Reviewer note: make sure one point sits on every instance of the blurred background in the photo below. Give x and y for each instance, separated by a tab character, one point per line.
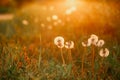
30	18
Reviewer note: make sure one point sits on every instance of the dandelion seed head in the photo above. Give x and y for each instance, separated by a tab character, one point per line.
100	43
59	41
93	39
104	52
69	45
86	44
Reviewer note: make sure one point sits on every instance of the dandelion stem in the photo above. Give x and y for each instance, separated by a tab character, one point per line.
70	55
40	53
62	57
83	61
103	64
93	60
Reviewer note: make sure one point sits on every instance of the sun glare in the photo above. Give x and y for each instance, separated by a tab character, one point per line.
72	2
73	11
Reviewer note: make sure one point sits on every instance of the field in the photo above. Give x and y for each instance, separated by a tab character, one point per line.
27	42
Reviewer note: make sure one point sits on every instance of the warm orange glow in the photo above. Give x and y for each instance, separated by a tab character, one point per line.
54	17
73	11
60	40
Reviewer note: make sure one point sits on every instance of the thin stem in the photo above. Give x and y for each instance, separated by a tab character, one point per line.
101	70
70	55
40	53
62	57
83	61
93	60
103	64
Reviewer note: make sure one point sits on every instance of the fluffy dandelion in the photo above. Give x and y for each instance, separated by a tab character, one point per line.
69	45
93	39
86	44
104	52
100	43
59	41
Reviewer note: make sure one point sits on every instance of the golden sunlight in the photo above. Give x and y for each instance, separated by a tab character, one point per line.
59	40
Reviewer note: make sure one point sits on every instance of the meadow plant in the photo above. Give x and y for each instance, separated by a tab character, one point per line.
59	41
69	45
94	42
40	54
84	44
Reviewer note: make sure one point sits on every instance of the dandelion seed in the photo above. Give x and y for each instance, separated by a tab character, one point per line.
100	43
69	45
93	39
104	52
59	41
